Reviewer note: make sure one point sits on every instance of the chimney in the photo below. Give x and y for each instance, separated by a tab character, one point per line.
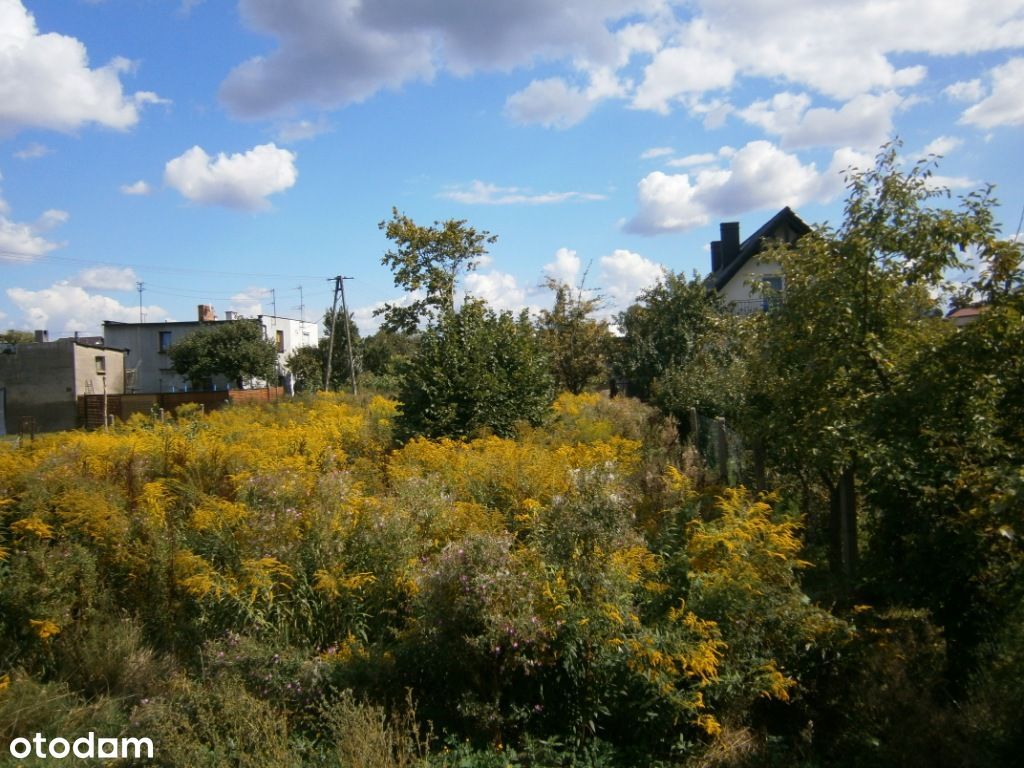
42	336
206	313
230	315
716	255
730	241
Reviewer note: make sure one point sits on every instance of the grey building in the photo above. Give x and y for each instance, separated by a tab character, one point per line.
40	381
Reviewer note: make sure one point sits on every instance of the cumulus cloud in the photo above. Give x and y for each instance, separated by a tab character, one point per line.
501	290
965	90
552	103
760	175
565	268
138	188
66	307
46	80
864	121
941	146
250	301
106	278
624	274
1003	105
482	193
333	54
24	242
242	180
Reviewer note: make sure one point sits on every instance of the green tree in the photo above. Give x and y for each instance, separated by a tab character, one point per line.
307	366
428	261
236	350
475	370
341	369
576	343
14	336
859	306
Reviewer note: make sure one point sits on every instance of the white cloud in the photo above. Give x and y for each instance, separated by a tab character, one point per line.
33	151
565	268
250	301
760	175
482	193
65	308
624	274
242	180
655	152
46	81
499	289
702	158
552	103
106	278
137	188
1004	104
941	146
864	121
23	242
675	72
965	90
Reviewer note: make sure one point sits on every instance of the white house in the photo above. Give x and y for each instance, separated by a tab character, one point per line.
735	266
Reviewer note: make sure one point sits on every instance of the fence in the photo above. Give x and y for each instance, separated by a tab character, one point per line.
91	408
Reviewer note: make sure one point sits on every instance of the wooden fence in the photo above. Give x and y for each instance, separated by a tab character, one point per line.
91	407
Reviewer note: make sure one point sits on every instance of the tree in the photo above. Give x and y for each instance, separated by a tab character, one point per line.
859	306
475	370
307	366
341	369
236	350
662	329
428	260
14	336
576	343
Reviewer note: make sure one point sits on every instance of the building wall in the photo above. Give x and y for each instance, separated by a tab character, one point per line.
42	381
147	345
739	289
293	335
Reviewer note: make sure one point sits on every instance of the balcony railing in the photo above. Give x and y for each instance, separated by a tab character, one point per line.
753	306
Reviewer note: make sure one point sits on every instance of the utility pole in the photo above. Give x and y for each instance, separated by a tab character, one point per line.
140	285
339	288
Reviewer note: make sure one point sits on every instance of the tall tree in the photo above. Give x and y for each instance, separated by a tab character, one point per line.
859	304
475	370
576	343
236	350
427	261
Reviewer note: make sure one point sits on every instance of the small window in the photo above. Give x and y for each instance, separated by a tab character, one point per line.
101	365
280	341
165	341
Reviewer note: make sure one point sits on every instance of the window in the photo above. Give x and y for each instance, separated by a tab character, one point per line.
773	291
280	341
101	365
165	341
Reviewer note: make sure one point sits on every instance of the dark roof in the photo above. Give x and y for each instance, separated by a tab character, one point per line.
753	244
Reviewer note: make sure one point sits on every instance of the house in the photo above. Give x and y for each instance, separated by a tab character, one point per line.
735	266
40	381
148	344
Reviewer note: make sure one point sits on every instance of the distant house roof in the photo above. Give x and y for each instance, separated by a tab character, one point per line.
728	255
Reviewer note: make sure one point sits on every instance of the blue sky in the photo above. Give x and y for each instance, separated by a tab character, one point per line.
227	152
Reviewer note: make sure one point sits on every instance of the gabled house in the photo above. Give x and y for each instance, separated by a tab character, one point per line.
735	266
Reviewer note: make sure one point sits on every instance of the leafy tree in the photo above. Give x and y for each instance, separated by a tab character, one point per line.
14	336
576	343
307	366
428	260
858	308
474	370
662	329
236	350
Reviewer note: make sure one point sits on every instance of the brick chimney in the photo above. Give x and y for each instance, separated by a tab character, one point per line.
42	336
716	255
206	313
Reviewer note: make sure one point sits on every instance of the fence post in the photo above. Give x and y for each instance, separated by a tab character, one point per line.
694	426
723	450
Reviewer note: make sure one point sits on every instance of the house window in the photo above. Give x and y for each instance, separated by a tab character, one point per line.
101	365
165	341
773	291
280	341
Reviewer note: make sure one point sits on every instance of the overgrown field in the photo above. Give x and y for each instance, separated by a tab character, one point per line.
283	586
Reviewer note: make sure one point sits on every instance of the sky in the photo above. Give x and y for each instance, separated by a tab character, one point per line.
240	153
